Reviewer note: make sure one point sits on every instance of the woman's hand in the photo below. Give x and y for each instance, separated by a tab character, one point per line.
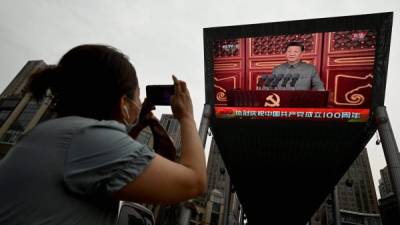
163	144
164	180
181	103
146	118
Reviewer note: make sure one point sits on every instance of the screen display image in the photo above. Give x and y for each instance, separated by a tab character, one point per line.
329	69
314	76
294	102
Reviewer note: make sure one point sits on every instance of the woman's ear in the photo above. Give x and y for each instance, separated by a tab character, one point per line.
123	109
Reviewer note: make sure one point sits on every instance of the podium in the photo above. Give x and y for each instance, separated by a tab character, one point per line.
278	98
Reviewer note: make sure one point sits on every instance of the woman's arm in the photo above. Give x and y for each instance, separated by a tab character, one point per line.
163	144
164	180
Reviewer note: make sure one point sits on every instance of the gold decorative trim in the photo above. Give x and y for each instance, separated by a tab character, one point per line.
221	95
225	66
365	59
272	64
327	78
352	98
266	64
226	78
351	61
251	80
257	77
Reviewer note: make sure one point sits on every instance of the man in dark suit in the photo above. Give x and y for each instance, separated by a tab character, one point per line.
295	74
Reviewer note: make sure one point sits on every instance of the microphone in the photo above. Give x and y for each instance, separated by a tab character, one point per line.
268	81
286	79
295	77
278	78
261	82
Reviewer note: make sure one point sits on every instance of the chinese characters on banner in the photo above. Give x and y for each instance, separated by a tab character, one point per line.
317	114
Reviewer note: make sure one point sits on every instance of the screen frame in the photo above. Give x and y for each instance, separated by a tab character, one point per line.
381	23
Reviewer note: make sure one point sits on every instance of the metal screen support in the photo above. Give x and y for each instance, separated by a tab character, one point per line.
389	149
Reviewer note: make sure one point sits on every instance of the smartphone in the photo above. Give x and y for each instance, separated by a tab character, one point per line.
159	94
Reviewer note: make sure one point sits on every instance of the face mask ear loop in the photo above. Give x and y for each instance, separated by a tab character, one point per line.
128	125
126	111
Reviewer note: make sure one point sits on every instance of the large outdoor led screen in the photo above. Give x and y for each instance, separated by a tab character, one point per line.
320	69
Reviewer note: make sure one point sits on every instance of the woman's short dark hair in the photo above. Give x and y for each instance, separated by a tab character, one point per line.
88	81
295	43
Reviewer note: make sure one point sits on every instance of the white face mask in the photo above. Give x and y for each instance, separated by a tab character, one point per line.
130	126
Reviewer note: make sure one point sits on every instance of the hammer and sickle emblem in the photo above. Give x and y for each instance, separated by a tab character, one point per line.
272	100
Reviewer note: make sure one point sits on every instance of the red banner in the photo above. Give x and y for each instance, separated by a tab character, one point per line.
315	114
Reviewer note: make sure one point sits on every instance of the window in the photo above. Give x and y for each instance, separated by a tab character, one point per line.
216	207
6	107
4	115
26	115
18	127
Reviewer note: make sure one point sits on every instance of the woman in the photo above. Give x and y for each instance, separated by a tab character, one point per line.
74	169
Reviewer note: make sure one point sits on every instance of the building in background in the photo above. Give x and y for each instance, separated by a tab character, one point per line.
167	213
356	188
19	112
190	212
385	185
387	203
209	208
222	203
357	201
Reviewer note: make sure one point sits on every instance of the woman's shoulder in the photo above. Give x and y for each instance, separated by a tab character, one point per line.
74	124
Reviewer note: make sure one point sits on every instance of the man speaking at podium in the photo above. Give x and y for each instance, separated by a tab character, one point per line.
304	75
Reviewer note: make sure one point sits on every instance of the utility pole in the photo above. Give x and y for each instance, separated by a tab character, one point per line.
390	149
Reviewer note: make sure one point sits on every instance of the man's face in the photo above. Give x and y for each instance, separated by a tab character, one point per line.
293	54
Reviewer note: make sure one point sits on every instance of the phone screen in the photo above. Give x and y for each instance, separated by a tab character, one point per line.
159	94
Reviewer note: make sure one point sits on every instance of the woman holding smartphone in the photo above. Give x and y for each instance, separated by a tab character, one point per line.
74	169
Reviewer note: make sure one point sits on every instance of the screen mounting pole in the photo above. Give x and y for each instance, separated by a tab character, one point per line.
205	123
185	213
390	149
